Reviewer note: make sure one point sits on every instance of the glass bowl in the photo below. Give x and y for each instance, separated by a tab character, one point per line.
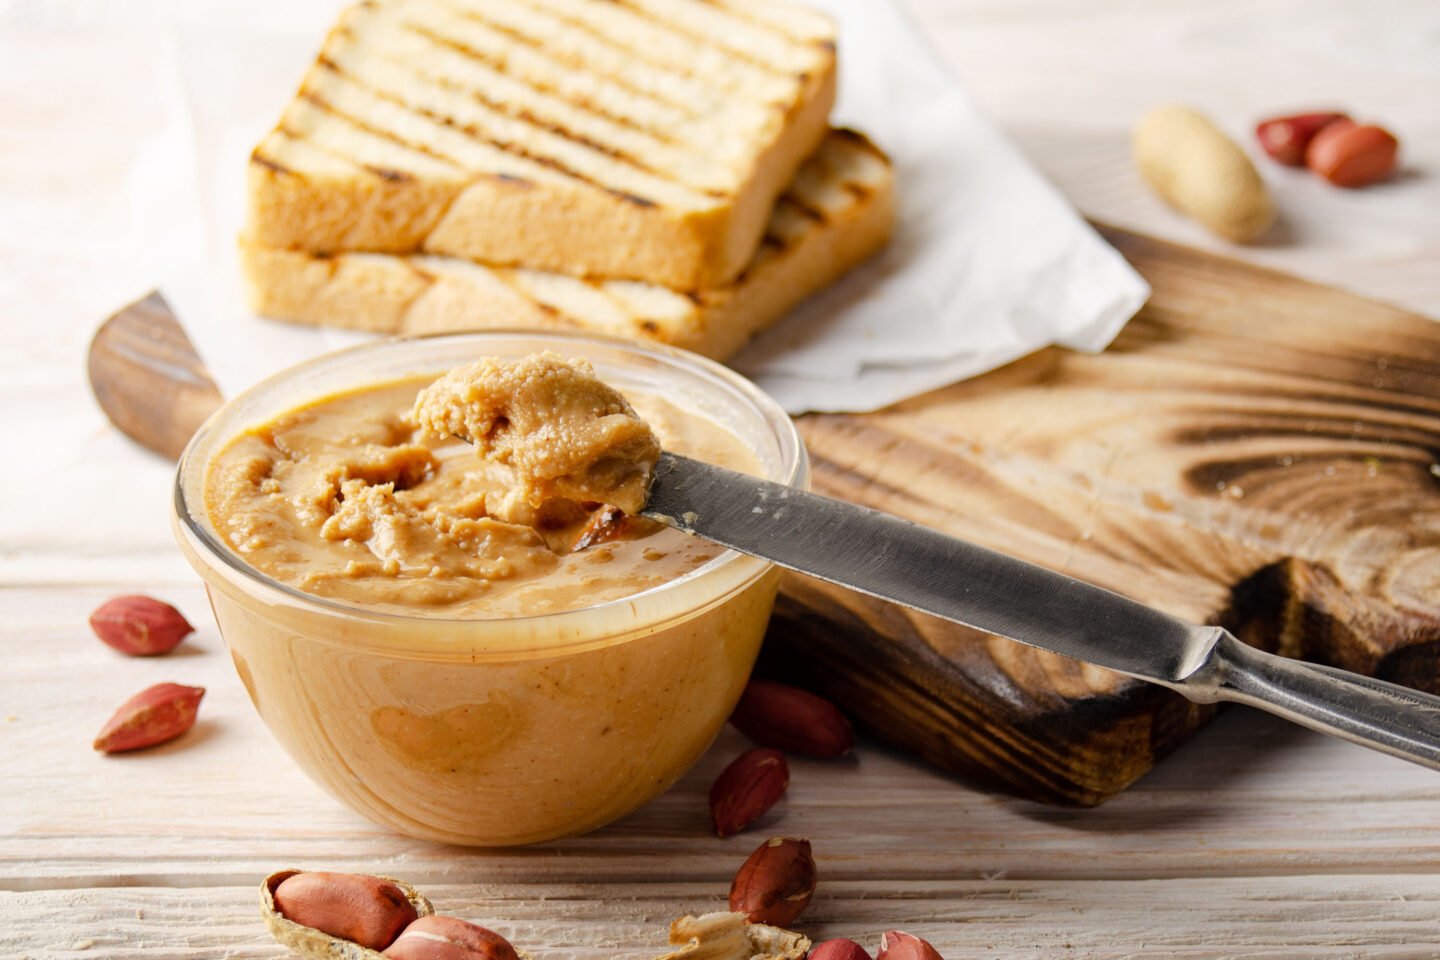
506	730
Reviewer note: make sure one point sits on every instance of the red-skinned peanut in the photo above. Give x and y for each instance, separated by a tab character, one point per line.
1285	138
153	716
748	787
838	949
1351	155
787	718
899	945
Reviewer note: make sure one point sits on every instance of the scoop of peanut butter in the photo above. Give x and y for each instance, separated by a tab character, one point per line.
563	432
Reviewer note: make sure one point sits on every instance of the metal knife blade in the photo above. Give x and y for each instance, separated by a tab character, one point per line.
894	559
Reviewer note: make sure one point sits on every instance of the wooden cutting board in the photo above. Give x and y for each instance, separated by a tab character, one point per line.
1254	450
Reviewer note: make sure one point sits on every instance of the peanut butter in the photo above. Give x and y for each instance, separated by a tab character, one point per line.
563	433
377	496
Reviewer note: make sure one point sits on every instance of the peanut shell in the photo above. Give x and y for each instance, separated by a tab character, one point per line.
1202	173
727	936
308	942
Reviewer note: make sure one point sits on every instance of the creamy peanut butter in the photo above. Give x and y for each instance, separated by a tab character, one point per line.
354	498
563	432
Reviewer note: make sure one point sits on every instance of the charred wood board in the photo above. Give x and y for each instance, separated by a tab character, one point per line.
1254	450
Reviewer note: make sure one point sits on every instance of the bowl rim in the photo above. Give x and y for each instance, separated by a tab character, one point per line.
793	456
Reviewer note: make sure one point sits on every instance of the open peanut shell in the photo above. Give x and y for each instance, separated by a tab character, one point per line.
309	942
728	936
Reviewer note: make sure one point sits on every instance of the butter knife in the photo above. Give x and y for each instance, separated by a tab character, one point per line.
894	559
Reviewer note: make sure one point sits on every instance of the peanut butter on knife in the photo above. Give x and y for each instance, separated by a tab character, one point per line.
562	432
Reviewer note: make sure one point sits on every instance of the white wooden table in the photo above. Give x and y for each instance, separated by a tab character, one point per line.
1255	840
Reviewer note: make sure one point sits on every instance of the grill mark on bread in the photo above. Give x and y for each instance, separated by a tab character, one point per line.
623	308
385	173
318	103
578	63
525	115
329	151
509	147
793	199
699	36
684	69
515	117
855	137
835	178
752	21
430	277
499	106
582	103
858	142
746	13
562	63
259	158
507	277
572	14
426	277
639	54
636	199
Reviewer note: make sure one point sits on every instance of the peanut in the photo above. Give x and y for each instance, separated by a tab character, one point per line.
153	716
140	626
448	938
1285	138
775	884
364	910
838	949
1202	173
748	787
794	720
1351	155
899	945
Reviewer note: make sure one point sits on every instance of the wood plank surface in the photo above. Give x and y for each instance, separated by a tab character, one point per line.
1376	917
1263	840
1254	450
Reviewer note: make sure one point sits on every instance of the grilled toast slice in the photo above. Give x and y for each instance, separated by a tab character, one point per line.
836	213
641	139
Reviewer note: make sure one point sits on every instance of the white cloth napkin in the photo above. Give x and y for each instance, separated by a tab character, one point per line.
988	262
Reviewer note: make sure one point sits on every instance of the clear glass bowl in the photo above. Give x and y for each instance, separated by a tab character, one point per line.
507	730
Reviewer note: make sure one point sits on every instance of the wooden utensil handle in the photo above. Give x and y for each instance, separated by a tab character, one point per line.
1383	716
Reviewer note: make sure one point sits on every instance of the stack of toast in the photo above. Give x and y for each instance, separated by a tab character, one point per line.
654	169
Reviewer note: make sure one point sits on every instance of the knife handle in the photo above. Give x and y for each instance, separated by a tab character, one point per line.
1383	716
